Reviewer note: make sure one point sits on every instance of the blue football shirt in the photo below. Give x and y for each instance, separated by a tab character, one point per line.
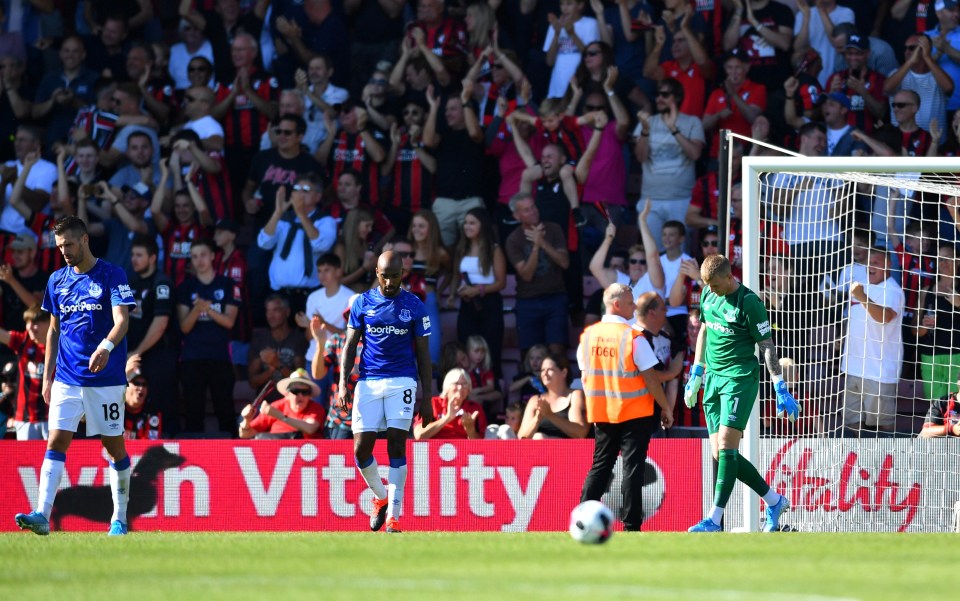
389	326
83	303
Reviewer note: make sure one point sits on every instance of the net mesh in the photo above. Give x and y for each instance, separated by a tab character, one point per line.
858	272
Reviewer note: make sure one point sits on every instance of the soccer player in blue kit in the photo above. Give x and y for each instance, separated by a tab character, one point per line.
83	375
393	323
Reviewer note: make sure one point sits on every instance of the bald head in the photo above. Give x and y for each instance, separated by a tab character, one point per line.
389	273
389	261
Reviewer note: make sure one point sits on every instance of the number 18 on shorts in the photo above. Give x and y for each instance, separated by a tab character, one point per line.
384	403
103	407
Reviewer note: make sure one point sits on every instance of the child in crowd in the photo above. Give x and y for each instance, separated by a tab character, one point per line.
528	382
507	430
484	383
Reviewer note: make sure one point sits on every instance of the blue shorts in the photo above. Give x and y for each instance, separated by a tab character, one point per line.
543	320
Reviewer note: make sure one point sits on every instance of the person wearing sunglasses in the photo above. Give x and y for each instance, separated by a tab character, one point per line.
298	232
642	275
923	75
914	140
296	415
668	145
861	84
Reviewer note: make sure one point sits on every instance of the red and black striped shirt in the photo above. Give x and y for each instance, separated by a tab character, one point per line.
49	257
235	268
412	182
916	143
30	355
215	188
568	136
349	151
919	273
859	115
177	240
449	38
244	123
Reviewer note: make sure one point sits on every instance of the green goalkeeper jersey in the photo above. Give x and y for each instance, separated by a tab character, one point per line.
735	324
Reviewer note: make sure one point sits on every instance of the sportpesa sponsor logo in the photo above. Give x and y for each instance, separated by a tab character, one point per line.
719	327
387	330
84	306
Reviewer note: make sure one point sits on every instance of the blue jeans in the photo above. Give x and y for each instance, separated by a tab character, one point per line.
543	320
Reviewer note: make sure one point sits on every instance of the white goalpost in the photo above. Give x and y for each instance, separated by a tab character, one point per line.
811	229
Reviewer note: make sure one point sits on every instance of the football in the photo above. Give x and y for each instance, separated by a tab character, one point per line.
591	523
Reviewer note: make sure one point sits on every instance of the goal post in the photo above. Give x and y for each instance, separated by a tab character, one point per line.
854	461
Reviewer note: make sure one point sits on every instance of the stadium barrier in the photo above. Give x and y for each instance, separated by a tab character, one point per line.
314	485
859	485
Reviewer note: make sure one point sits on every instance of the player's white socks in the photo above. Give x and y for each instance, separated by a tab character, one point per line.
51	470
372	478
396	479
772	497
120	488
716	515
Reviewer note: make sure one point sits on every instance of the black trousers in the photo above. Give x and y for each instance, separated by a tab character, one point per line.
199	377
631	439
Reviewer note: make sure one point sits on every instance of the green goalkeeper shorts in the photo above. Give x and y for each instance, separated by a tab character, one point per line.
728	402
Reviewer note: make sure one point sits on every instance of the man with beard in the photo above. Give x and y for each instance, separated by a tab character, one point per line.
151	340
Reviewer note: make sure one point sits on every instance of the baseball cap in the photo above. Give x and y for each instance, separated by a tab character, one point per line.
841	99
711	229
137	375
23	242
227	224
944	4
140	189
858	42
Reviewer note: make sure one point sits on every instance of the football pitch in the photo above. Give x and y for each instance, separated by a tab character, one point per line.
549	566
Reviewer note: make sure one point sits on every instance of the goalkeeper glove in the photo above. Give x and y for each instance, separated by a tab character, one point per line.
786	405
693	386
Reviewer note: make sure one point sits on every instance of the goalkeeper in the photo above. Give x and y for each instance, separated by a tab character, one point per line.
734	321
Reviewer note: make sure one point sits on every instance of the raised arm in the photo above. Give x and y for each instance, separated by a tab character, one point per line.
605	275
654	268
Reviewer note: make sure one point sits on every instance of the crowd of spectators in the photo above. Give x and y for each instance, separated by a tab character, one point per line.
247	160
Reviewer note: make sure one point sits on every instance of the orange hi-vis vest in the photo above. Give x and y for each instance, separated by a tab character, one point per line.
612	384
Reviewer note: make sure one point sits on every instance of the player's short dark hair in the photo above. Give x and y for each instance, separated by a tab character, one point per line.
677	225
70	223
299	124
146	242
330	259
204	242
35	313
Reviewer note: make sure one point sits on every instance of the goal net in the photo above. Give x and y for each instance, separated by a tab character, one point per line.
856	261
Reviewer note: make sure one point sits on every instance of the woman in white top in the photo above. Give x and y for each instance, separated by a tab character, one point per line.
480	273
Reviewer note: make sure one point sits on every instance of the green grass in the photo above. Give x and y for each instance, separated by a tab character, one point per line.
549	566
